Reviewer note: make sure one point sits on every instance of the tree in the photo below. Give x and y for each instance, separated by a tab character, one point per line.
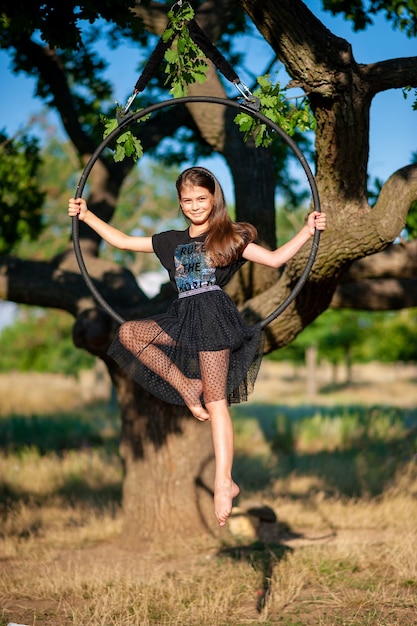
41	342
20	198
167	455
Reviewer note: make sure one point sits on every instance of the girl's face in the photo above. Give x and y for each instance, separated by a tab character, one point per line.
196	204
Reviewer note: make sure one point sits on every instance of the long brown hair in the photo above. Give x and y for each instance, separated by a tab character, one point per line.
225	239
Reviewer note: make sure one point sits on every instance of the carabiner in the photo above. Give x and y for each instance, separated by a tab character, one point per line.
129	102
252	101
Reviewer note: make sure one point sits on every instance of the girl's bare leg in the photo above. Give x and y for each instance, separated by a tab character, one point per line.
225	489
138	338
214	368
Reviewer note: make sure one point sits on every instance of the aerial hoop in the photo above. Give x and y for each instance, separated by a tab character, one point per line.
130	119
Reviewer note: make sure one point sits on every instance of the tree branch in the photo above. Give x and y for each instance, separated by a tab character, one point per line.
383	294
302	42
390	74
383	281
63	287
397	261
340	92
52	73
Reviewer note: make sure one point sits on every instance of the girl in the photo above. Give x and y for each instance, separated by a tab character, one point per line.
200	353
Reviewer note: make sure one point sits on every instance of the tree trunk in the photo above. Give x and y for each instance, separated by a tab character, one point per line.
169	471
311	366
348	361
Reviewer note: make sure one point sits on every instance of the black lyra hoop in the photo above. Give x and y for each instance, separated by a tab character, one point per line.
240	106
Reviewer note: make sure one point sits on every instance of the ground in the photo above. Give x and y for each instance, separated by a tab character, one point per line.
362	541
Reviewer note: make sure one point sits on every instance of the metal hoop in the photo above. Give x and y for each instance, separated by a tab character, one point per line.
240	106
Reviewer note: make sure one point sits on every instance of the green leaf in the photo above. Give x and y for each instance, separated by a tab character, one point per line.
177	90
171	56
200	78
276	107
182	46
244	121
167	34
120	153
123	137
109	126
269	101
185	62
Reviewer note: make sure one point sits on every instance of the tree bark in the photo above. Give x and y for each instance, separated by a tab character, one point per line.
168	461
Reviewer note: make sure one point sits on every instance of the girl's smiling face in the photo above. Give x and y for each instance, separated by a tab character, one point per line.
196	204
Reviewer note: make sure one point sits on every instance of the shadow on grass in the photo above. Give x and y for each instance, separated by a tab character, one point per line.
95	425
374	444
94	429
263	557
370	447
74	492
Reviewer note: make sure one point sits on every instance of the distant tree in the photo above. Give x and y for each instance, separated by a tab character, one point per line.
334	337
389	337
403	16
20	197
41	341
348	336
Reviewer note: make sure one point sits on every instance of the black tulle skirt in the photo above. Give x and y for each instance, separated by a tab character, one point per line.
207	322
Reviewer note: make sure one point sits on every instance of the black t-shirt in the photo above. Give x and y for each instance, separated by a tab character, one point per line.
187	265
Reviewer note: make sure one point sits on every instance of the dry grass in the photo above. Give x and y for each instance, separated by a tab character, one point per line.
331	560
371	384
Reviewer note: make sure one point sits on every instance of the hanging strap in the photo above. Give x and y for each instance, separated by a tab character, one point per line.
203	42
152	65
211	52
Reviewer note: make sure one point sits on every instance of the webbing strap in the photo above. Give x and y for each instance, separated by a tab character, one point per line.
152	65
202	41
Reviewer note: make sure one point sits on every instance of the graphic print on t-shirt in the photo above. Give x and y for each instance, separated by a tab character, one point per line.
192	269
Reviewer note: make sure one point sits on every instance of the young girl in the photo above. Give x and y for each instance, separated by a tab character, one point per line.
200	353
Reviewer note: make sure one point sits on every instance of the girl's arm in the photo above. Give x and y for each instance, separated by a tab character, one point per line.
276	258
112	235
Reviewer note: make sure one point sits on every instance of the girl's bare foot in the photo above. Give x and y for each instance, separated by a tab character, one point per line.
223	497
192	400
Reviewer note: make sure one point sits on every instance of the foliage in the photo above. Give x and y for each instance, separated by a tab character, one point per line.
403	15
275	106
391	337
83	68
57	176
46	18
186	63
41	342
127	145
359	336
184	68
406	91
20	196
141	208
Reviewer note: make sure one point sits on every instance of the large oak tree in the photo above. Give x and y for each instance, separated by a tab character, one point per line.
167	455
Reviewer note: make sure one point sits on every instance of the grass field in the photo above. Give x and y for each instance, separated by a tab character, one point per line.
337	472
